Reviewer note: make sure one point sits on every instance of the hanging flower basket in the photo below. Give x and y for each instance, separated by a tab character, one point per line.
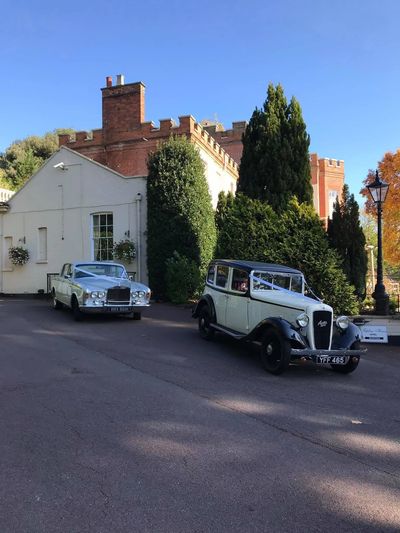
124	250
18	255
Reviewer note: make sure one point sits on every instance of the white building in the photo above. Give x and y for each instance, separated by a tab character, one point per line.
72	209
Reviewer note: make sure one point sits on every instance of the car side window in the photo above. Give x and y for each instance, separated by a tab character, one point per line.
222	276
240	280
66	270
211	274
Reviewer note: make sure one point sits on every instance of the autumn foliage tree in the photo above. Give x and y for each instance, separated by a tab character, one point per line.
389	169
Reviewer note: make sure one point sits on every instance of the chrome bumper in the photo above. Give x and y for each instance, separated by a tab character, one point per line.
313	355
117	309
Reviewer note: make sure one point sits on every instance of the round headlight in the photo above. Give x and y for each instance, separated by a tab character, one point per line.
342	322
302	320
93	294
101	294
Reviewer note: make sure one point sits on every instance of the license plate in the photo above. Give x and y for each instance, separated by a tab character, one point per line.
331	359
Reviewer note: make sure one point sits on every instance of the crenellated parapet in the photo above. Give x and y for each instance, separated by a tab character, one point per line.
219	132
125	140
147	131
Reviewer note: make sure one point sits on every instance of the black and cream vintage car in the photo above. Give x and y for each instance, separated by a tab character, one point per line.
266	303
98	287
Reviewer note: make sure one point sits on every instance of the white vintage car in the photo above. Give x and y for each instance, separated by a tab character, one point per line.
98	287
266	303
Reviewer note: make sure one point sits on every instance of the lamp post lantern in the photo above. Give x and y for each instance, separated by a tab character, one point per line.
378	190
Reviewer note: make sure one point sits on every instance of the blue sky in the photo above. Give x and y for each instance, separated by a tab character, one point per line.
209	58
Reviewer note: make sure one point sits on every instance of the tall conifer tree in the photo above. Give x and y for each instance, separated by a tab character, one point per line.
275	162
347	237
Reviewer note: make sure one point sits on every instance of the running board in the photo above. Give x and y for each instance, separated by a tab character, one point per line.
230	332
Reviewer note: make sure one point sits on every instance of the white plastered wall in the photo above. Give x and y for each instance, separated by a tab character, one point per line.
218	178
63	201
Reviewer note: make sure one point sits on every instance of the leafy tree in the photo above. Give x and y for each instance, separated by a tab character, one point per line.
347	237
296	237
180	214
389	168
23	158
275	161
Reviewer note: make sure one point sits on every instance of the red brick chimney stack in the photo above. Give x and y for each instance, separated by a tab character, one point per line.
123	107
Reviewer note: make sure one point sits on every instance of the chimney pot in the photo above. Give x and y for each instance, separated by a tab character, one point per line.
109	81
120	79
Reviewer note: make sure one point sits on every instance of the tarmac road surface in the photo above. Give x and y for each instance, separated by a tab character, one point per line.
112	425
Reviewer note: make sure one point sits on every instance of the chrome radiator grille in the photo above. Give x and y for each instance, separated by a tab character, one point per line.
119	295
322	325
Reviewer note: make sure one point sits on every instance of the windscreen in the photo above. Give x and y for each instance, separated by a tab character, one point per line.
274	280
86	270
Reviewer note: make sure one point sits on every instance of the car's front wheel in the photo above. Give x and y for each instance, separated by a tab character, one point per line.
56	303
78	315
205	329
275	353
351	365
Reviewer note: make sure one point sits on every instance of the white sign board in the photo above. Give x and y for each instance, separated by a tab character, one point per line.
374	334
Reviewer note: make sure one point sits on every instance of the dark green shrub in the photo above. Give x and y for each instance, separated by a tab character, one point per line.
182	279
180	214
252	230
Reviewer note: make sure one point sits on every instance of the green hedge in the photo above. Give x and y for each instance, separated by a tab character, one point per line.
180	214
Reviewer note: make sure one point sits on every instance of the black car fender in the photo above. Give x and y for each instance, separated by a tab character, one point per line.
205	300
343	339
281	326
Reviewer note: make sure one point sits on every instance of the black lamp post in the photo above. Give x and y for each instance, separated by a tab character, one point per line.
378	190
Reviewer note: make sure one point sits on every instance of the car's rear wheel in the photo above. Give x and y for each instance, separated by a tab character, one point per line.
206	331
56	303
275	353
78	315
351	365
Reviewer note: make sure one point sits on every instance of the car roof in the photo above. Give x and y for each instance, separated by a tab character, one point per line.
96	263
256	265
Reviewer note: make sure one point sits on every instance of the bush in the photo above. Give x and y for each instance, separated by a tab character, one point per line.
393	303
18	255
252	230
367	305
182	278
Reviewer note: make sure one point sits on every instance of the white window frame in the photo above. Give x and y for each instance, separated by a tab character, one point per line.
92	225
42	258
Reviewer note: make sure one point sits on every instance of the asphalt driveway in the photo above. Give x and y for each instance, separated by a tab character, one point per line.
114	425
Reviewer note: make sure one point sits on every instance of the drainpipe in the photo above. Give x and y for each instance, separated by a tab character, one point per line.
4	207
138	236
1	252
